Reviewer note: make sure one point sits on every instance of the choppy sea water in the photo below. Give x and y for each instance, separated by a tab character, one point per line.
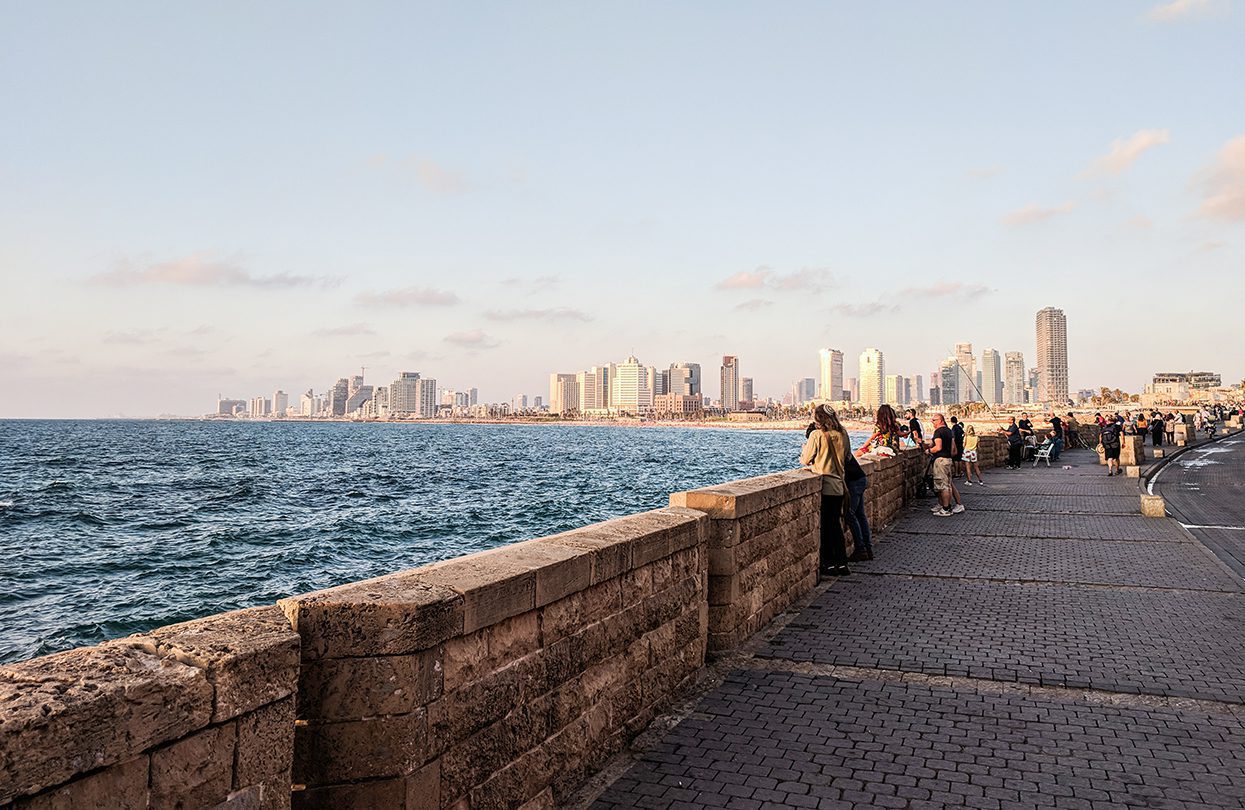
114	527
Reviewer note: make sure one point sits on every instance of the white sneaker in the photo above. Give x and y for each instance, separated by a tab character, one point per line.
968	483
940	512
957	509
935	510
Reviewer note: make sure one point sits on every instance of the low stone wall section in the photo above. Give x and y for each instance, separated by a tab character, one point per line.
502	678
198	714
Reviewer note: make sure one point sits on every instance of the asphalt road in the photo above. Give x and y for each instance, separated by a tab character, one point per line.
1205	490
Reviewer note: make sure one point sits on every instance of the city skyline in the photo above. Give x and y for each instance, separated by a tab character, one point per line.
522	194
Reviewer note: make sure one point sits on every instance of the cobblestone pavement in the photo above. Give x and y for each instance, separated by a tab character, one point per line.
1046	658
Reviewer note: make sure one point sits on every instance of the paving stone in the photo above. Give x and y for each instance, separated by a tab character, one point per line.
948	746
1110	562
1181	643
1027	524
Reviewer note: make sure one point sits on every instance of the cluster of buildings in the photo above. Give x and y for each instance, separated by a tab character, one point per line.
410	396
1178	387
993	378
632	388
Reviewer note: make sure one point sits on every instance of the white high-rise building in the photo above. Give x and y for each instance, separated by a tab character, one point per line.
893	395
685	379
280	402
991	377
803	391
951	375
831	374
563	393
730	382
404	394
1014	378
967	383
629	391
872	378
520	403
1052	356
920	388
258	407
307	403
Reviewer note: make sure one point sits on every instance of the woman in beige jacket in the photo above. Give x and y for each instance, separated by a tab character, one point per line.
825	453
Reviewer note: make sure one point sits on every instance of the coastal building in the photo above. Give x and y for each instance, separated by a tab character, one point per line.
804	390
966	385
853	389
831	374
729	378
1014	378
230	407
872	378
1052	356
893	395
685	379
920	388
1195	380
338	395
681	405
258	407
951	375
629	391
280	402
563	393
746	397
307	403
519	404
594	390
991	377
358	398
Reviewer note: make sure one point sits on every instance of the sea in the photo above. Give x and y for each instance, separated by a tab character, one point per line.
115	527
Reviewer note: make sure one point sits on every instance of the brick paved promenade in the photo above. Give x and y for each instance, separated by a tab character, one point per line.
1050	647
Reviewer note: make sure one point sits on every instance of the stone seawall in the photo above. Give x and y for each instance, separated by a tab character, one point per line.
499	679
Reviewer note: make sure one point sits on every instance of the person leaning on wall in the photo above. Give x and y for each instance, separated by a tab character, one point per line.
825	453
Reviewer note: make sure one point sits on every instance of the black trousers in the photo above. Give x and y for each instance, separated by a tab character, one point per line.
1014	452
833	544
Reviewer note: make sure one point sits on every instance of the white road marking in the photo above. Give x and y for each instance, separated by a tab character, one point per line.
1203	526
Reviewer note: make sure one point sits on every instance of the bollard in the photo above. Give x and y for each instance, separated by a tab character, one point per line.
1153	506
1179	443
1132	471
1158	453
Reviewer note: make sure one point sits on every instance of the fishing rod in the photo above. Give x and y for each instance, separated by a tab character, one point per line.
971	381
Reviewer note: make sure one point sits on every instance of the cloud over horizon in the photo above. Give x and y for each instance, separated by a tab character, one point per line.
408	297
948	289
200	270
866	310
1125	151
1223	184
1036	213
806	278
550	314
350	330
472	339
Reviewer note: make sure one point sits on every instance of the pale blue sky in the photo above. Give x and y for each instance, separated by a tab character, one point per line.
223	198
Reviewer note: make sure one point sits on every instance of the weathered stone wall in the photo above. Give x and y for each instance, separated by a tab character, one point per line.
498	679
501	678
763	543
191	715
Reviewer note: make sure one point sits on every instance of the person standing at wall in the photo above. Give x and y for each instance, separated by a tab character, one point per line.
957	451
825	453
1072	429
1015	443
942	448
914	428
857	483
1157	428
970	457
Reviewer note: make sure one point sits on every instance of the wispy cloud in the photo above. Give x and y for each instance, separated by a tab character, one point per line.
532	286
866	310
1036	213
949	289
1125	151
202	330
408	297
1178	10
349	330
552	314
1208	247
428	173
986	172
471	339
754	305
200	270
806	278
1223	183
133	337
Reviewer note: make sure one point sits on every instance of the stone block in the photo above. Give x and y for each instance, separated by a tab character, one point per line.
196	771
89	708
1158	452
265	746
423	788
392	615
350	688
360	796
1132	451
273	794
570	615
371	748
1153	506
122	785
494	584
739	498
478	654
250	656
1132	471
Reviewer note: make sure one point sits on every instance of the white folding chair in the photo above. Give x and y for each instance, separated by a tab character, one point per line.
1043	454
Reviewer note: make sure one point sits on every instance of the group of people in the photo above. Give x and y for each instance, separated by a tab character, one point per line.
827	452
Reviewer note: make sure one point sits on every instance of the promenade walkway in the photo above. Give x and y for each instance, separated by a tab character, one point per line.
1050	647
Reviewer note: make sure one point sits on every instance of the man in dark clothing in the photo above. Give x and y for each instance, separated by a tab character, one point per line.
957	433
942	449
914	427
1110	438
1015	444
1026	427
1056	427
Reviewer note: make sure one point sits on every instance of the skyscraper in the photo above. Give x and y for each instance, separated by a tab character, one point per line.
831	374
920	388
952	375
280	402
730	382
967	383
563	393
1052	356
803	391
991	377
745	391
1014	378
853	389
893	395
872	376
629	391
338	395
685	379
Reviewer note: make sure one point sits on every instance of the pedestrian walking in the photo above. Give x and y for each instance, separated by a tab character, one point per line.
857	522
1157	429
1169	426
970	457
957	457
825	453
1110	441
941	449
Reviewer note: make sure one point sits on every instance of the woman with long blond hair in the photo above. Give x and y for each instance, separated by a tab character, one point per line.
825	453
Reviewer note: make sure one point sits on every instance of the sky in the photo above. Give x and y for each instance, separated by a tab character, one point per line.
227	198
